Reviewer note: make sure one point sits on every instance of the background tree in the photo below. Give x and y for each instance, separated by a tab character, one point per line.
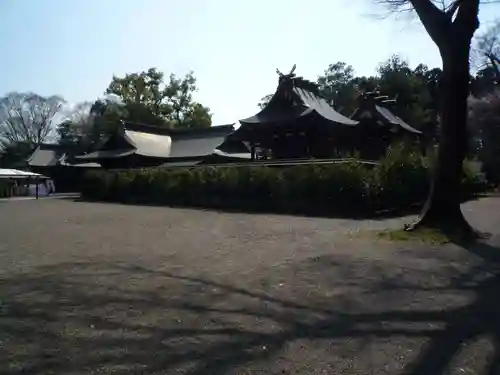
147	99
484	121
397	80
486	59
484	81
76	126
429	98
86	124
106	115
416	90
196	116
184	112
27	117
264	101
15	155
143	88
26	120
451	28
337	86
488	51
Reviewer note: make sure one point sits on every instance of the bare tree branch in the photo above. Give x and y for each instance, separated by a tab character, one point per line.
79	115
487	50
27	117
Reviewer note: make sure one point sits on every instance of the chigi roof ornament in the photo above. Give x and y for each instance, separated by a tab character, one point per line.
291	74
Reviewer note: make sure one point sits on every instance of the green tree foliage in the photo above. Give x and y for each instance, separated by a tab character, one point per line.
196	116
431	79
106	115
144	88
148	99
15	155
138	98
338	86
397	80
264	101
183	111
485	81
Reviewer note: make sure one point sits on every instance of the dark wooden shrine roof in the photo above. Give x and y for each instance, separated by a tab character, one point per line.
296	98
395	120
371	109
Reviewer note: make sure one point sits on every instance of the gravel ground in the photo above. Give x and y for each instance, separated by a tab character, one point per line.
91	288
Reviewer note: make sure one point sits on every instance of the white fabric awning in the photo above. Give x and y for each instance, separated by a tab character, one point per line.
15	173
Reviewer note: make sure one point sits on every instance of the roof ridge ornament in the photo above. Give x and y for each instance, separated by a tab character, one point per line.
291	74
287	77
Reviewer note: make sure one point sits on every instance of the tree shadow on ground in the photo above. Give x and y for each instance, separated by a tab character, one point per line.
76	318
307	210
478	319
322	211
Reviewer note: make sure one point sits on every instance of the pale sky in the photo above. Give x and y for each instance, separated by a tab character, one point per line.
73	47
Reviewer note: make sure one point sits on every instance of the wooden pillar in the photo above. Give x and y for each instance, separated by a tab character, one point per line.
306	139
252	151
37	180
12	186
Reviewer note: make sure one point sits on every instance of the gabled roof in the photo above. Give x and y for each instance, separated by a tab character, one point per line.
370	107
295	98
147	144
321	106
193	147
395	120
204	143
53	154
46	155
129	142
164	143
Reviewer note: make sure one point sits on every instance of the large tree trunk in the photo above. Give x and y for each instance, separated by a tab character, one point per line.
443	204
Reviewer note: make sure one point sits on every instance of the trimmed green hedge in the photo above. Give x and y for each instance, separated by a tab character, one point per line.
399	181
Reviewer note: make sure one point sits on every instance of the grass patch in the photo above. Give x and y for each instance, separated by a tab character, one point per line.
422	235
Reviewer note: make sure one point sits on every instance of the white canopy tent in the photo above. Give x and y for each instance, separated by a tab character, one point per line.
15	173
31	179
